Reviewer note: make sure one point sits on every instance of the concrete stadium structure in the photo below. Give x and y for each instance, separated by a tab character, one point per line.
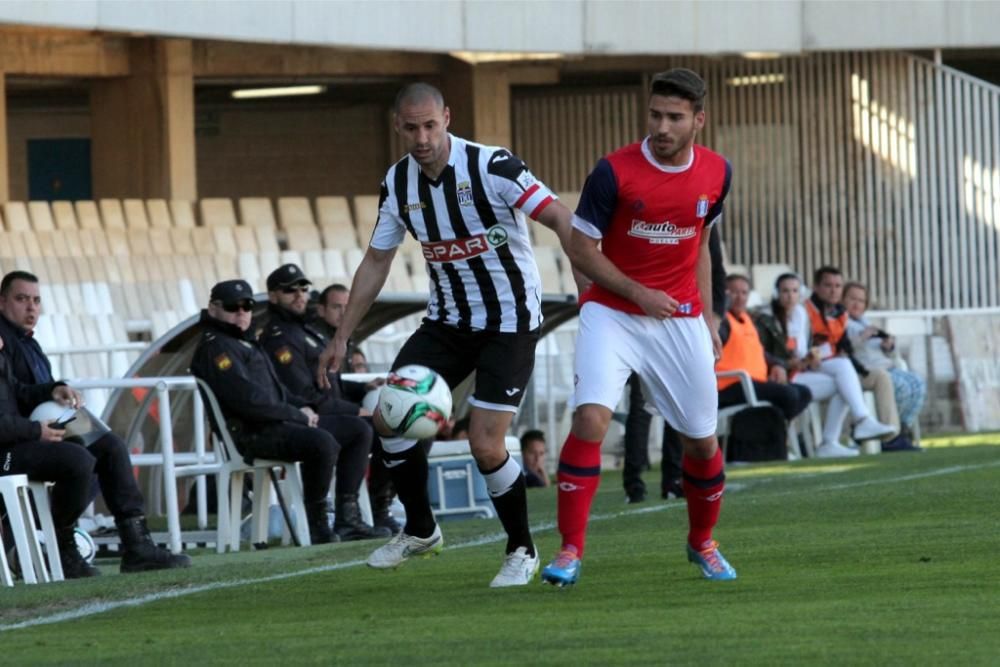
865	134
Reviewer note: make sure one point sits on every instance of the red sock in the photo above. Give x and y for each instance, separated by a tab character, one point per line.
579	475
704	481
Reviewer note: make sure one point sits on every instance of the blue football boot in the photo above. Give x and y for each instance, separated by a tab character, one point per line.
564	569
711	562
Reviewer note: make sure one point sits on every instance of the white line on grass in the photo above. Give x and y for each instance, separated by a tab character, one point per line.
95	608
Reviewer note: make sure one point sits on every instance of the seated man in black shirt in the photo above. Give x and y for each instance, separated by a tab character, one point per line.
294	345
268	421
37	450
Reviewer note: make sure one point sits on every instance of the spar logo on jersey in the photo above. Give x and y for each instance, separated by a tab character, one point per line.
464	190
457	250
661	233
701	210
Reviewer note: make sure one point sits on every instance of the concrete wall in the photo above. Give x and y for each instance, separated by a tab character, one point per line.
243	153
294	152
565	26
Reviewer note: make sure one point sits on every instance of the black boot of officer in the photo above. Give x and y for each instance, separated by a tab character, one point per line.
381	502
73	564
319	524
141	553
348	524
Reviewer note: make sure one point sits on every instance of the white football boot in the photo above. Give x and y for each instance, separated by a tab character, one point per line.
518	569
402	546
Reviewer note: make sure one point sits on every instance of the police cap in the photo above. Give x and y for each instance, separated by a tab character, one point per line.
230	292
286	276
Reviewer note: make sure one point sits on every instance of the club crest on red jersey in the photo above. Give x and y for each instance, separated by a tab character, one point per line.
702	209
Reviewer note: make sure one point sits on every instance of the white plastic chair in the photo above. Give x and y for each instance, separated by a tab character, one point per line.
15	490
234	469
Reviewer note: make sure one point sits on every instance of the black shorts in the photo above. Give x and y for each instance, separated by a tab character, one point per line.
503	361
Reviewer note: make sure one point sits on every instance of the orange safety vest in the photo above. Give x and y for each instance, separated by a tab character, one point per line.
742	352
826	329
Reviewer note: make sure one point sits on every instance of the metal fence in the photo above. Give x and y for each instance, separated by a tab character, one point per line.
884	164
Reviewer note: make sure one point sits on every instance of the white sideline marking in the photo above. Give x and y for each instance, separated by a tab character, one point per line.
95	608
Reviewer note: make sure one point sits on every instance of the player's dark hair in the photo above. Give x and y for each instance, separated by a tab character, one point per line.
417	92
336	287
823	271
680	82
9	279
531	436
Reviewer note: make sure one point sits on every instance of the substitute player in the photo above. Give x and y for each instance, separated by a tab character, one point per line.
466	204
641	234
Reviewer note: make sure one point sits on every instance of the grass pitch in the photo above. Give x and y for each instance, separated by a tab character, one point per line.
878	560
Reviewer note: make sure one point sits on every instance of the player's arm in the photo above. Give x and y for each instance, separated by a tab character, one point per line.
512	181
592	219
586	255
703	271
368	281
558	218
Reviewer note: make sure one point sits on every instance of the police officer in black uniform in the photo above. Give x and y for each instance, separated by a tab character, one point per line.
294	345
35	449
264	418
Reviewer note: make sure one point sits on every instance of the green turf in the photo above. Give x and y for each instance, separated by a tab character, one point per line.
878	560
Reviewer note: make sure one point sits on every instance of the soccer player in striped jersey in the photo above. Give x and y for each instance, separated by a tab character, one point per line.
466	204
641	232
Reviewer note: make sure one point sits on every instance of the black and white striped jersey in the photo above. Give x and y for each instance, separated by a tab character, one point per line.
471	226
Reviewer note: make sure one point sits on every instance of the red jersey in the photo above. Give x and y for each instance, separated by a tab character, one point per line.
650	219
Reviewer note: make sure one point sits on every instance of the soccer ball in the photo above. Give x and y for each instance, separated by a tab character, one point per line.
414	402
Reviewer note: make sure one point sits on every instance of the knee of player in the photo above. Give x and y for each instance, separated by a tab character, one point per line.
700	448
591	421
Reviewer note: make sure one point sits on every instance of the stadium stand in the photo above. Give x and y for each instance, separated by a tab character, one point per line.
217	212
257	212
135	214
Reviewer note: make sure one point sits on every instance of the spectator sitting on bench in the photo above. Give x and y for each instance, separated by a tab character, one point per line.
873	347
533	459
41	453
742	350
294	346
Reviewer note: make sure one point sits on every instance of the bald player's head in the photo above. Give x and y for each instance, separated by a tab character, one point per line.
418	93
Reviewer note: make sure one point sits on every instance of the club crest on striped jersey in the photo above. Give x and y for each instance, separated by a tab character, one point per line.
701	210
464	191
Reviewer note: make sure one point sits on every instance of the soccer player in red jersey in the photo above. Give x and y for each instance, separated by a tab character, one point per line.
641	234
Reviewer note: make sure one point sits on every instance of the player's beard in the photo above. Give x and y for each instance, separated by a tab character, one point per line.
677	145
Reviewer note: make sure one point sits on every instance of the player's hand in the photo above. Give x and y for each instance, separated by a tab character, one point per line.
716	343
778	374
657	303
364	412
311	415
330	360
51	434
66	395
374	384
